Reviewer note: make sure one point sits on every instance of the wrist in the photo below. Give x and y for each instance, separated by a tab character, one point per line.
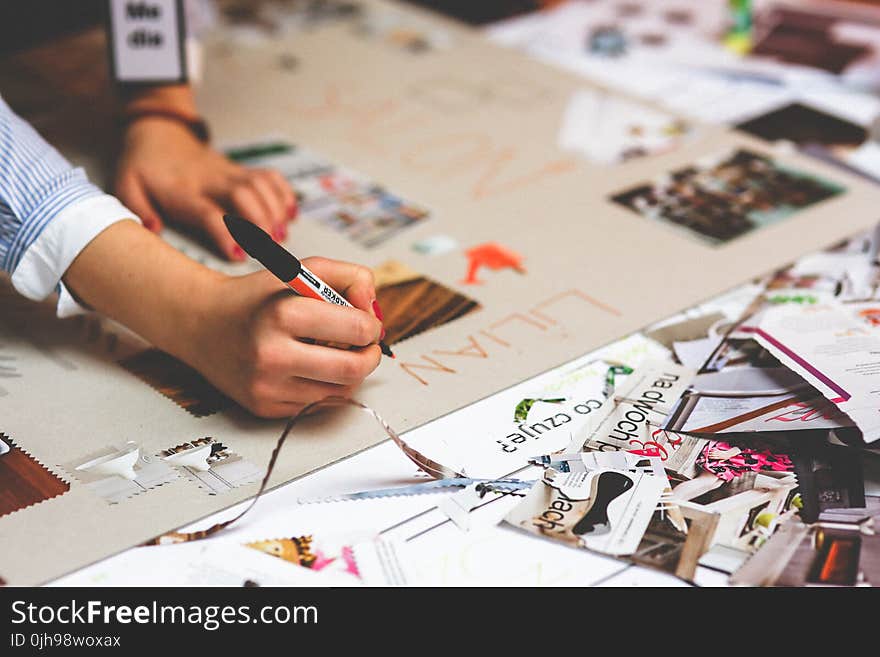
172	97
195	126
170	103
199	311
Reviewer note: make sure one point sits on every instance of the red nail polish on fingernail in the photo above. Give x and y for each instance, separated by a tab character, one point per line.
238	253
291	211
382	335
377	310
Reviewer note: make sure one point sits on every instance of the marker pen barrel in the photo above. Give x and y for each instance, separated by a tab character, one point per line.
307	284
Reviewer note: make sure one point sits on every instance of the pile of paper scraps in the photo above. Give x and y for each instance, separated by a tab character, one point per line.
746	451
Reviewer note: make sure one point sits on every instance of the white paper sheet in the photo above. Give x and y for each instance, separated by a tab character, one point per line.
836	352
485	441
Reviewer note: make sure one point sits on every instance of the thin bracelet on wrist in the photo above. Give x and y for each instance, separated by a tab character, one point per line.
195	125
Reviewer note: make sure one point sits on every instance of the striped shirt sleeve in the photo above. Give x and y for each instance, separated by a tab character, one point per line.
49	211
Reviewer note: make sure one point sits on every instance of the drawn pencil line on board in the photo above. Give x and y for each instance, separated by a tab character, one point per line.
491	167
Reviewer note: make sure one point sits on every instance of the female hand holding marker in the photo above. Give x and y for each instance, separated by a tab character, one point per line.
247	335
274	360
287	268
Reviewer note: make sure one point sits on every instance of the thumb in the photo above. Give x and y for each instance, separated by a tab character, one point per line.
132	194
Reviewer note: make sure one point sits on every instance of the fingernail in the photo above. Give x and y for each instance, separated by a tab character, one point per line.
277	234
238	253
291	211
382	335
377	310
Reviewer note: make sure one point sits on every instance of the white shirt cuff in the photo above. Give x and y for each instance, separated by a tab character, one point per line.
39	272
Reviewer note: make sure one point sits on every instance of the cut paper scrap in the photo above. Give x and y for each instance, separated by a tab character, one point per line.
608	129
521	412
373	561
630	420
413	303
431	467
459	507
118	472
727	462
610	377
491	255
784	412
644	401
748	399
24	481
424	488
212	465
869	313
177	381
831	349
685	330
300	550
604	510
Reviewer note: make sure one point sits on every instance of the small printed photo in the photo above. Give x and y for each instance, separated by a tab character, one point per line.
804	125
340	199
118	472
212	465
412	303
177	381
725	197
24	480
